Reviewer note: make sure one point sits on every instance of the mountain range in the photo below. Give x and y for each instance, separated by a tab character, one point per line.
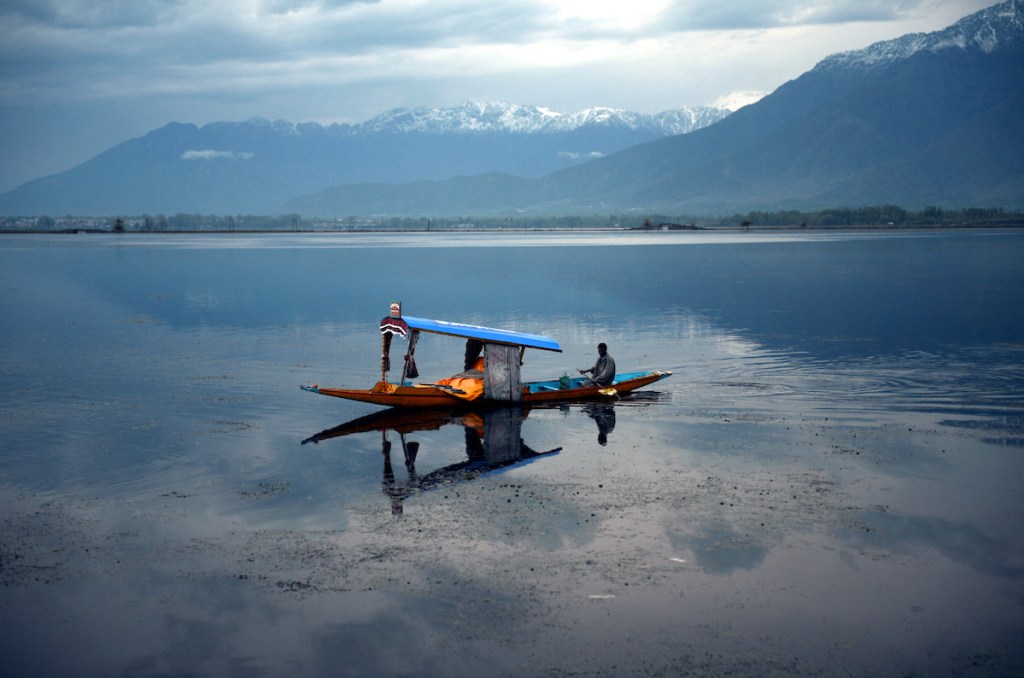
925	119
254	167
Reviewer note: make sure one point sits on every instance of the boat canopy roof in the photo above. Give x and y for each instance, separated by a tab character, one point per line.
486	334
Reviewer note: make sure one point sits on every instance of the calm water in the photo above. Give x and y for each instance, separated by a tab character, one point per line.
831	481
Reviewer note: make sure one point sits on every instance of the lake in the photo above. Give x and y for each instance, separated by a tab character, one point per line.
830	483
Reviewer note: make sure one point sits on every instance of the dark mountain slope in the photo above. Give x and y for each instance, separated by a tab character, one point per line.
925	113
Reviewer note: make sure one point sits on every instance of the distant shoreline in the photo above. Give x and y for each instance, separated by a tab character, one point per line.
362	231
859	218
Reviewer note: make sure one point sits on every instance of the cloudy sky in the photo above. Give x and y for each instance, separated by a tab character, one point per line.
78	76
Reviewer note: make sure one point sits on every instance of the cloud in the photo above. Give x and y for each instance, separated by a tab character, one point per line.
734	101
83	49
89	74
765	14
573	155
83	14
215	155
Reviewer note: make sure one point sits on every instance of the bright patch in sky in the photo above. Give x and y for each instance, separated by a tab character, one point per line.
611	15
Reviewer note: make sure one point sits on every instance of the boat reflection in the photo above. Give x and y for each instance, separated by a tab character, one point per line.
493	442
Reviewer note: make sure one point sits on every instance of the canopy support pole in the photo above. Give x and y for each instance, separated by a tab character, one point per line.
408	366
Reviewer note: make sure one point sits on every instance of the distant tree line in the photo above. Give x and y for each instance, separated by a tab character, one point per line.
885	216
191	223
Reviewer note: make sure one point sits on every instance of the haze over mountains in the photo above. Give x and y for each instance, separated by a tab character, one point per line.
254	167
926	119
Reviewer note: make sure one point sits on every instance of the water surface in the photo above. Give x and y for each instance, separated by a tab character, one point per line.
829	483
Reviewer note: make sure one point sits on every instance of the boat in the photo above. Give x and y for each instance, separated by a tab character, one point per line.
491	370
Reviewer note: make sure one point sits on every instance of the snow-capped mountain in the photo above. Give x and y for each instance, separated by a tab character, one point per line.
926	119
934	119
495	117
254	166
999	27
480	116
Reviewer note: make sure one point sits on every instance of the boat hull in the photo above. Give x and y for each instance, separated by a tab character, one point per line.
578	389
429	395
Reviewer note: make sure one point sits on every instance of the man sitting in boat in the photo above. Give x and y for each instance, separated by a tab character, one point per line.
603	371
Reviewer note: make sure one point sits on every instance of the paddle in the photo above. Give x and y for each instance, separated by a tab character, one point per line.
609	391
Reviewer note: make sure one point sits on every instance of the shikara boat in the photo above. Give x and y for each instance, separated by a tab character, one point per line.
491	374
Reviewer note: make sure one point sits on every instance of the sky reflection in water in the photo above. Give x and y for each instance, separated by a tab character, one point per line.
831	475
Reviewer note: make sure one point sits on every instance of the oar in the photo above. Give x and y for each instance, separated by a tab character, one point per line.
609	391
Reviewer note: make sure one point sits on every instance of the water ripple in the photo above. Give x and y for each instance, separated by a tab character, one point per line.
975	382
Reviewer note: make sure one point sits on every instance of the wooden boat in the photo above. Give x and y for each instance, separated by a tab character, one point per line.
433	395
493	360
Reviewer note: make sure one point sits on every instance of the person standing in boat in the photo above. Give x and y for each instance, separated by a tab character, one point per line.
603	371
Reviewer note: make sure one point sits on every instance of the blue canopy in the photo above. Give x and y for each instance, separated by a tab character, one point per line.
486	334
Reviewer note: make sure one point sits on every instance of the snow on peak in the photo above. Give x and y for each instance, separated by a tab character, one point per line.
996	27
480	116
495	117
